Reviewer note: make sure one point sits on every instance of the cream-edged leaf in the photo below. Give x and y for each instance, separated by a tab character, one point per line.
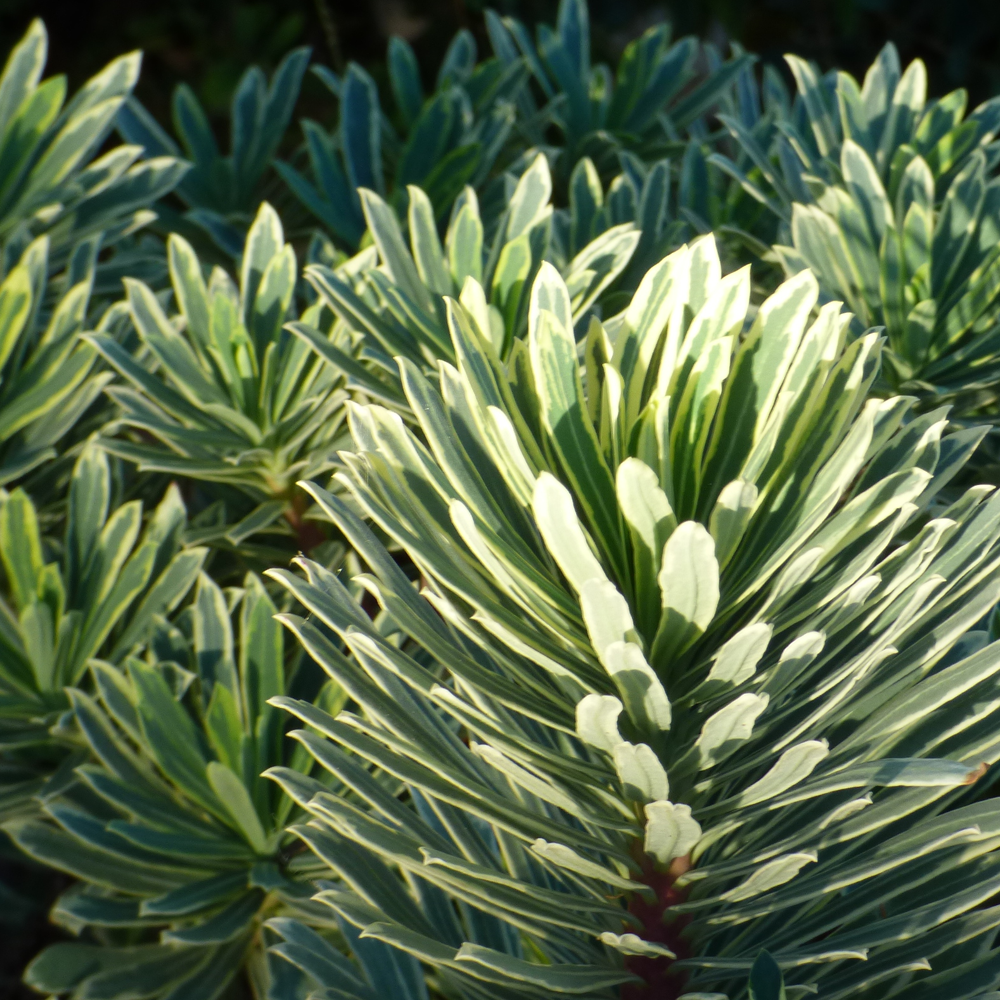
645	700
671	831
606	614
737	659
727	728
597	721
793	766
632	944
565	857
689	589
640	772
770	876
562	533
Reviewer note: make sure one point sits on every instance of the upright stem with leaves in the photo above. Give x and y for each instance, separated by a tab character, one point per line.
689	660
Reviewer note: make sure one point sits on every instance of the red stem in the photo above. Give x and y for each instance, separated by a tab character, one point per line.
308	533
660	982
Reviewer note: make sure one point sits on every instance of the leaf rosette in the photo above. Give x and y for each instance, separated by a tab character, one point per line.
689	673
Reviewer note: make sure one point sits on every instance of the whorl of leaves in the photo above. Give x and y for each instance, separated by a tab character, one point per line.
689	674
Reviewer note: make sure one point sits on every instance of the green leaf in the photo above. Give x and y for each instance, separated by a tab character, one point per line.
41	396
58	849
671	832
956	223
766	981
133	578
510	278
76	141
863	182
392	249
15	308
223	726
213	639
727	728
405	77
586	199
689	589
640	772
233	795
163	597
21	547
465	242
564	412
38	633
65	965
530	199
639	687
23	71
170	735
79	907
567	979
737	658
360	129
757	373
261	651
270	306
189	286
427	252
114	546
820	119
154	327
229	923
597	721
560	528
316	956
195	896
770	876
156	972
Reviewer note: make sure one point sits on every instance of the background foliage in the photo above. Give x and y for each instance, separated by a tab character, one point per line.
208	43
254	436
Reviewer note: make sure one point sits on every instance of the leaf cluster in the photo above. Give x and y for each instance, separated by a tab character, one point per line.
642	638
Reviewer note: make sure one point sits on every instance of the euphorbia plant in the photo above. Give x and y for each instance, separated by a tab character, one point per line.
222	192
689	674
221	392
887	196
178	844
392	294
48	381
97	591
660	89
927	271
790	157
51	180
439	142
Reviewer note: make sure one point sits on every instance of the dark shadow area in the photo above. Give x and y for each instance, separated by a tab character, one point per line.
208	43
27	892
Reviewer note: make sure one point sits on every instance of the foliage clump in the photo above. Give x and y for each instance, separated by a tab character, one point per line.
629	425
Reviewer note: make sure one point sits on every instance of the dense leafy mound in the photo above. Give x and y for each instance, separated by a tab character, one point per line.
394	297
660	631
48	380
221	193
49	179
661	88
795	151
110	582
702	624
446	140
170	828
927	272
227	393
